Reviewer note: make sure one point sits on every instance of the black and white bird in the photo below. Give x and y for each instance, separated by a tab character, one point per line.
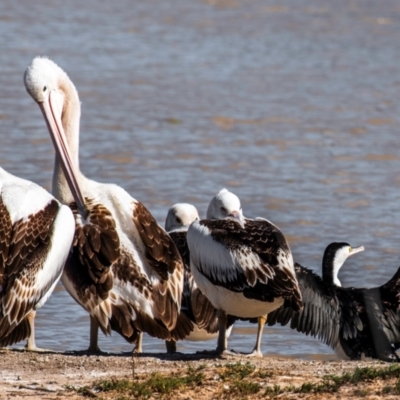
36	233
124	269
243	266
355	322
194	304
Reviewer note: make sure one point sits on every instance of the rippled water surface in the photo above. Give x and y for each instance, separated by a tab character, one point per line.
292	105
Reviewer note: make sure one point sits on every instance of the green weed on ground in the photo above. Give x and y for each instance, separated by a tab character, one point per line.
332	383
162	385
238	380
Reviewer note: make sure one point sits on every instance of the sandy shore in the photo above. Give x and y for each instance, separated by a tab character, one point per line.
73	376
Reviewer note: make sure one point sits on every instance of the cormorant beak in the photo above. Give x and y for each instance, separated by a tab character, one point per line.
355	250
52	108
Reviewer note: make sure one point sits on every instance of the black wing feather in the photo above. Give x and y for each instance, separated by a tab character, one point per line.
323	314
265	281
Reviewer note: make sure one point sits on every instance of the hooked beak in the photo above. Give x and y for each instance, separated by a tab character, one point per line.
52	110
355	250
237	216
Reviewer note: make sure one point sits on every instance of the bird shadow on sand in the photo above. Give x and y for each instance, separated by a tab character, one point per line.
160	356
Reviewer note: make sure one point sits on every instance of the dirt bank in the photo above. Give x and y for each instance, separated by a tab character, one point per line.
73	376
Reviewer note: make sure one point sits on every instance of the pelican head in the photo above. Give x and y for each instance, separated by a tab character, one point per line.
180	215
225	205
41	78
58	100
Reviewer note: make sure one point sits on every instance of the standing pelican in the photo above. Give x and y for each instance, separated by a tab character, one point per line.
36	233
243	266
124	268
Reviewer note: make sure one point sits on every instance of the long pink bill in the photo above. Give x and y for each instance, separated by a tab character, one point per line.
52	110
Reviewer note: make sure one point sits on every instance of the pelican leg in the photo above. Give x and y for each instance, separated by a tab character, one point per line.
171	346
222	340
257	348
31	343
139	344
94	336
222	346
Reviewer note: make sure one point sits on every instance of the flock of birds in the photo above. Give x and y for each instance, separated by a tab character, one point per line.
191	281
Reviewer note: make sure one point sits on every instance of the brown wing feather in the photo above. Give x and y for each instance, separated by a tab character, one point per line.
21	332
97	259
182	328
127	318
95	248
179	238
204	312
161	252
28	235
164	259
5	238
28	244
121	321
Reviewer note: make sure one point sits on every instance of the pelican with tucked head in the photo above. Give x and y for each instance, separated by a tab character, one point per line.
243	266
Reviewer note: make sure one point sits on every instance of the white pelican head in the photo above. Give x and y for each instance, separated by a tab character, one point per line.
180	215
225	205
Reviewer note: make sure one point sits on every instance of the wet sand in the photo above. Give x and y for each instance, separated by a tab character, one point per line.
73	376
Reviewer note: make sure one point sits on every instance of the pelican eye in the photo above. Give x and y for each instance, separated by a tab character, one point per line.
223	209
44	88
178	220
350	249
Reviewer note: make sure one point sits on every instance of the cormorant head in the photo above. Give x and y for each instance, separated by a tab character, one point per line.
334	257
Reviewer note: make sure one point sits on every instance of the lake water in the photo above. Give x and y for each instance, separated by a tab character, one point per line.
292	105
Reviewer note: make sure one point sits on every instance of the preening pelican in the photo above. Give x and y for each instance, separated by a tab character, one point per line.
124	268
36	233
243	266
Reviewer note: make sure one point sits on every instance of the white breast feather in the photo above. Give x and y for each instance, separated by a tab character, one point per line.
64	229
210	256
